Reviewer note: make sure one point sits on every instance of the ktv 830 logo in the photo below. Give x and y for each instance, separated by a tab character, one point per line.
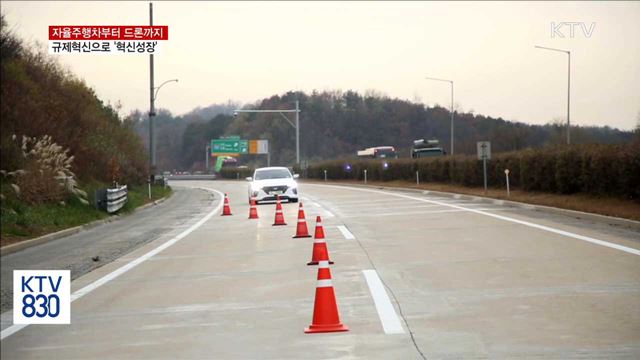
41	297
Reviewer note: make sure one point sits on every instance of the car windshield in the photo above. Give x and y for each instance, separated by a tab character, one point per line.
272	174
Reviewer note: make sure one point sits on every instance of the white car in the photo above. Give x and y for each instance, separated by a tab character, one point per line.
269	182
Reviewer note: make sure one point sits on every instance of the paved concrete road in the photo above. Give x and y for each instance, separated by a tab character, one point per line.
469	280
107	241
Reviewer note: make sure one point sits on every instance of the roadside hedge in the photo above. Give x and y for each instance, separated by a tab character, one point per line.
610	170
235	173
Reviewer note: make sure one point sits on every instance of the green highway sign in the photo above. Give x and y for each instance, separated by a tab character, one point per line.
229	146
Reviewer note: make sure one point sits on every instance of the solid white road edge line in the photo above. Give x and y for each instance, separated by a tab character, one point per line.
388	317
345	232
501	217
114	274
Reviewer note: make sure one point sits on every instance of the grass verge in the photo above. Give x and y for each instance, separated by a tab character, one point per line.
21	221
609	206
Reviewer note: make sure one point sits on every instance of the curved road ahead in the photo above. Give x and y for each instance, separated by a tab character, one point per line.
415	276
105	242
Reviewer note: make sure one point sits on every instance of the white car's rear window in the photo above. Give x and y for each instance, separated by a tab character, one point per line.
272	174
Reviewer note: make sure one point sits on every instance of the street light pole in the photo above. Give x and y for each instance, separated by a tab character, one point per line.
152	113
152	148
282	112
297	132
568	88
206	159
569	99
450	109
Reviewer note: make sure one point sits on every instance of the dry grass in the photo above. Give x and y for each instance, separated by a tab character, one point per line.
626	209
23	221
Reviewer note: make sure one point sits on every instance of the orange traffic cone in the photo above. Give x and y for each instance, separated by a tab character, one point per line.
325	309
279	217
226	210
319	232
253	212
320	251
301	229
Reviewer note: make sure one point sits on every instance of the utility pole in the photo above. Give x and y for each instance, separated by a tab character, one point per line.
152	113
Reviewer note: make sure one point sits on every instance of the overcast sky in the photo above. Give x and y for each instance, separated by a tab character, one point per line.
245	51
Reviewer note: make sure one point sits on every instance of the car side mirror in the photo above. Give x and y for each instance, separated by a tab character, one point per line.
249	178
295	176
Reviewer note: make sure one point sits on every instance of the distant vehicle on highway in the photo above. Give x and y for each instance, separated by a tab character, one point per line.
269	182
225	161
379	152
426	148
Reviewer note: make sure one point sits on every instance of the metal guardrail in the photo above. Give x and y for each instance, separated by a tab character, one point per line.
112	200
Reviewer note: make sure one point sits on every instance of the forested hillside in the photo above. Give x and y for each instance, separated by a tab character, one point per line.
40	97
171	151
336	124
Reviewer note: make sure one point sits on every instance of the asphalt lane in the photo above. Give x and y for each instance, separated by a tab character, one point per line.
107	241
467	285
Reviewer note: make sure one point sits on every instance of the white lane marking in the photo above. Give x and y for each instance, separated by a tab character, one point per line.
116	273
388	317
370	202
501	217
420	212
345	232
387	207
325	212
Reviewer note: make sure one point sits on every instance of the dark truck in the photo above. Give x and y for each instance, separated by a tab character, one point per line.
426	148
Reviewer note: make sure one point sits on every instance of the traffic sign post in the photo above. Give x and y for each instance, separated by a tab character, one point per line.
229	146
233	145
260	147
484	154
